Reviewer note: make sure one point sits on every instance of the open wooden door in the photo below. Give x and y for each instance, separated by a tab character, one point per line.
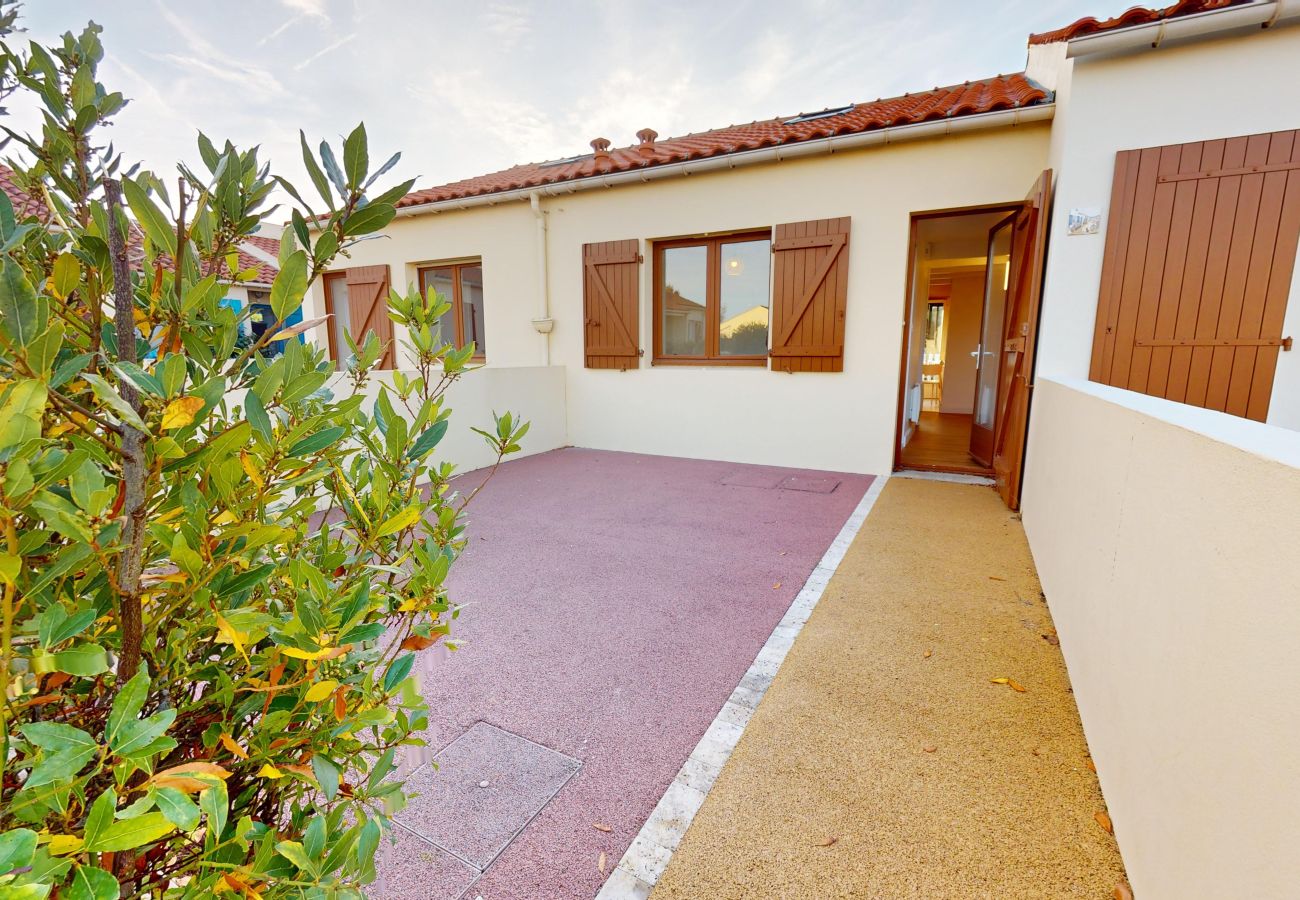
1019	339
988	352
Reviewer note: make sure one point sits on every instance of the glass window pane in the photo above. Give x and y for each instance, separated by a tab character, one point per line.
995	301
682	306
336	289
746	296
440	282
471	313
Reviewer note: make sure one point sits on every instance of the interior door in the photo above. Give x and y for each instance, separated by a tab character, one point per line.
1019	338
987	355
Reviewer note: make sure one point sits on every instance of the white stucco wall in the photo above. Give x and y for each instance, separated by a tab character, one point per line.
1165	537
1225	87
841	421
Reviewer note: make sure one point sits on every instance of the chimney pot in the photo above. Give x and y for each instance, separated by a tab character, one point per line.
647	138
601	147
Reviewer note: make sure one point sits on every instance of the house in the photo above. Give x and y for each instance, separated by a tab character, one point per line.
257	258
1093	260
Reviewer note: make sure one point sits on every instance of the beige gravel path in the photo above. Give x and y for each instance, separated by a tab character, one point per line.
883	762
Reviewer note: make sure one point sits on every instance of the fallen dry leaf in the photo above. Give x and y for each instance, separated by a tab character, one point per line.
600	863
777	586
601	826
829	842
927	654
1052	639
929	748
1014	685
996	578
1091	765
1104	821
1122	892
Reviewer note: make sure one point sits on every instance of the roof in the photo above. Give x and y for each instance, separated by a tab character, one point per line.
1138	15
26	205
968	99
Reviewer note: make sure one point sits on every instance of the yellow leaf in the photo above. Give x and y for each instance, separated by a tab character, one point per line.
229	743
250	468
270	771
1000	680
320	690
305	654
229	634
63	844
226	518
181	412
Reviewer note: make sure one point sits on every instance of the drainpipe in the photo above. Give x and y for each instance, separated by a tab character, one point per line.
543	323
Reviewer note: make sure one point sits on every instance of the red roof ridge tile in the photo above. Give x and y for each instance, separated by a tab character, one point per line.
1137	15
1000	92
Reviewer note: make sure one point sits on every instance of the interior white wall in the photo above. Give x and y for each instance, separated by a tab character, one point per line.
962	314
1190	92
1165	538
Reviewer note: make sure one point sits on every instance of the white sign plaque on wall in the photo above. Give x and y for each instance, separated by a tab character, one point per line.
1083	220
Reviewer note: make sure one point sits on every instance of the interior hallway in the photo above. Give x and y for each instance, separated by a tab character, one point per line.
941	442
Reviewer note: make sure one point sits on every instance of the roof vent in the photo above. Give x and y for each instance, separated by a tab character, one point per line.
601	146
647	138
824	114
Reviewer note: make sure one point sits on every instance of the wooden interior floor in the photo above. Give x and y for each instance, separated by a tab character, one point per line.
941	442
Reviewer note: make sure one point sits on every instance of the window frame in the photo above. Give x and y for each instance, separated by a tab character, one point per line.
457	306
326	278
712	303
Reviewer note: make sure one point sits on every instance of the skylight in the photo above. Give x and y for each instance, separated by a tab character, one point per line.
564	162
824	114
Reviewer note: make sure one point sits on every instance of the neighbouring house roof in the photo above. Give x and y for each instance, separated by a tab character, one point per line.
25	204
968	99
1138	15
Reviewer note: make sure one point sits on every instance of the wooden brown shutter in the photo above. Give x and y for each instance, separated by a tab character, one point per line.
610	304
810	283
1199	253
368	308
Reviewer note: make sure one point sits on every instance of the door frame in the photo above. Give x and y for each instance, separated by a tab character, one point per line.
901	412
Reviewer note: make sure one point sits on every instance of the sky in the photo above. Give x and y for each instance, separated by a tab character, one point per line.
471	87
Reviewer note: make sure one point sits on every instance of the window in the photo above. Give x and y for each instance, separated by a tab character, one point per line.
462	285
338	308
712	300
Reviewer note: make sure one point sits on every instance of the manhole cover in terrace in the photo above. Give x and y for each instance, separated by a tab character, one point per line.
811	483
489	784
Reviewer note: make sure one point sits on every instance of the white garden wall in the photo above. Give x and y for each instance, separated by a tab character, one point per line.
1166	540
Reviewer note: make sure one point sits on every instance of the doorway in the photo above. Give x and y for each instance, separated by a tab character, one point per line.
964	389
958	277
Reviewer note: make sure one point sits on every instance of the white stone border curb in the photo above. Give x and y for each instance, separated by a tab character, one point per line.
645	860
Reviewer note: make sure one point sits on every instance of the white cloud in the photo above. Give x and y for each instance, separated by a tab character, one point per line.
329	48
313	8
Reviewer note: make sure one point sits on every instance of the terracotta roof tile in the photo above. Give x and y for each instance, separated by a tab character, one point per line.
24	204
1138	15
987	95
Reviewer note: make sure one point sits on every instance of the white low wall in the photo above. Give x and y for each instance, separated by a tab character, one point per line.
535	393
1168	542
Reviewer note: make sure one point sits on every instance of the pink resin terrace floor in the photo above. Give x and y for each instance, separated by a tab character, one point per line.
613	602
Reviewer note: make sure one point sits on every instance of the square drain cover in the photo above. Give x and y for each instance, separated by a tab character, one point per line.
811	483
489	784
410	867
